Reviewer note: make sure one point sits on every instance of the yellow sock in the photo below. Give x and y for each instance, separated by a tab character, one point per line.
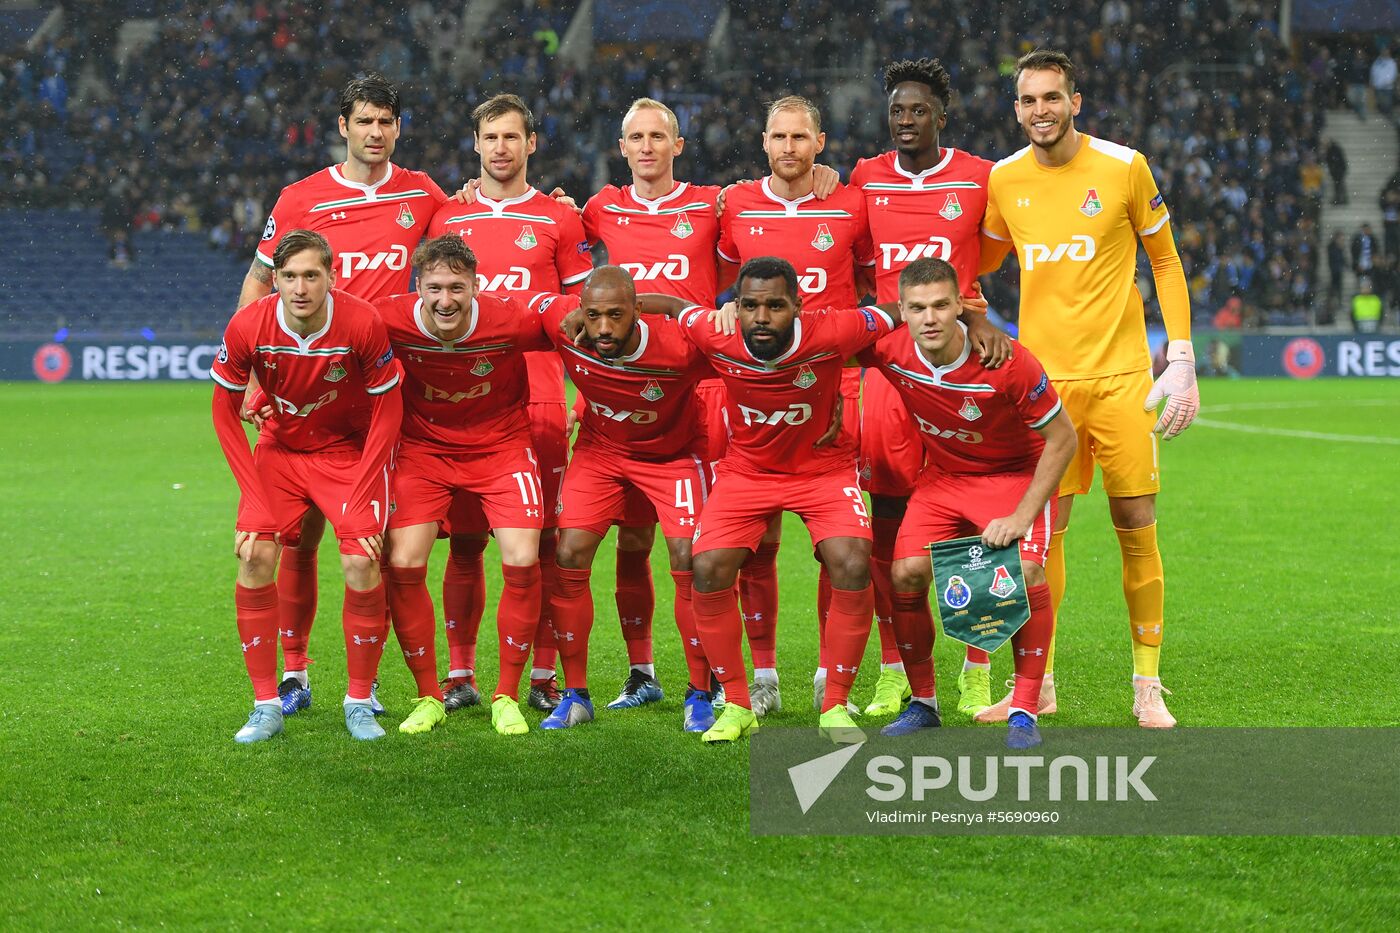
1055	576
1143	585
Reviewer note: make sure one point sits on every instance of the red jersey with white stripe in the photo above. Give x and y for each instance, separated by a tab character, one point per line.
935	213
777	409
667	244
321	384
824	240
466	395
971	419
372	229
640	406
523	245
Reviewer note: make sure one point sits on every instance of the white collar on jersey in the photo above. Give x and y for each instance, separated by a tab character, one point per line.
928	172
653	205
304	343
786	354
498	206
423	327
369	190
789	206
938	372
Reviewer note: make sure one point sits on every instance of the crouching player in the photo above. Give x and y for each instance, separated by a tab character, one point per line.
637	376
997	443
465	434
324	360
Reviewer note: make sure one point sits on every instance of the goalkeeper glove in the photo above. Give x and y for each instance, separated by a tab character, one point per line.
1177	385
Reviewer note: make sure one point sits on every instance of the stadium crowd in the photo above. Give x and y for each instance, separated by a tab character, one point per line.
230	101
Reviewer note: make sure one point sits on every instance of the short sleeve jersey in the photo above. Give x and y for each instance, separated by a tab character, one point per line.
466	395
321	385
935	214
1075	229
777	409
523	245
824	240
372	229
640	406
667	244
971	419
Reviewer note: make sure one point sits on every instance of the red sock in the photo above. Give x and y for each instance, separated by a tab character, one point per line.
758	591
412	610
636	603
571	607
848	629
463	601
721	635
823	610
546	652
365	634
695	662
913	624
257	612
296	603
1032	646
881	556
978	656
517	617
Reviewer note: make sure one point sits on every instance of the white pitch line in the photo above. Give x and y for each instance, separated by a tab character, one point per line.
1288	432
1280	406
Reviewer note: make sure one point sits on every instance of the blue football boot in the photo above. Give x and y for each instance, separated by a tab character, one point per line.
263	724
359	720
639	690
573	709
293	695
916	716
699	710
1021	731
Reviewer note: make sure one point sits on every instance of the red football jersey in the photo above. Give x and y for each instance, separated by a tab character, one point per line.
824	240
667	244
523	245
467	395
777	409
372	229
936	213
320	385
642	406
970	418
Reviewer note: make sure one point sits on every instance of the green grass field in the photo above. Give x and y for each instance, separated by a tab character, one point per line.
124	802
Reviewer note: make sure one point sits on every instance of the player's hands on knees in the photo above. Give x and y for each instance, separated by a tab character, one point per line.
243	542
1177	385
1002	531
373	546
724	319
256	409
834	428
991	345
824	181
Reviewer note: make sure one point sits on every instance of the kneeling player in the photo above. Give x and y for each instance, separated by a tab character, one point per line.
997	443
638	432
465	434
324	360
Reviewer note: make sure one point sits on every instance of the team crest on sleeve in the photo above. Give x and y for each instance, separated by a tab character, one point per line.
1002	584
682	227
526	240
805	377
270	229
1092	206
823	240
957	594
652	391
336	372
482	367
406	217
969	409
952	208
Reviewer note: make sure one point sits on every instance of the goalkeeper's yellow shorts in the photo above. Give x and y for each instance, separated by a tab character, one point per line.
1113	431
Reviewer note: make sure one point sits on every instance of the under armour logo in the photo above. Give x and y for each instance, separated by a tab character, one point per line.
450	624
904	647
257	640
563	636
1033	652
846	670
1023	202
1144	629
371	640
286	632
755	231
880	201
532	513
338	215
685	521
695	643
631	621
578	368
624	221
416	654
517	645
719	671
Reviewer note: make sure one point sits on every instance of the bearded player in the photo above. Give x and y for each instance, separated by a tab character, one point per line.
1074	208
525	242
324	360
373	213
997	443
922	200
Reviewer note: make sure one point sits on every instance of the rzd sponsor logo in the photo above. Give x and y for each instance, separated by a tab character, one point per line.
897	254
967	437
794	414
812	281
515	280
395	259
675	267
1078	249
641	416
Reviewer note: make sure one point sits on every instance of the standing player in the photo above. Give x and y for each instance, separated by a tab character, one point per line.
373	213
1074	207
466	436
829	243
664	233
997	444
922	200
525	242
324	360
638	436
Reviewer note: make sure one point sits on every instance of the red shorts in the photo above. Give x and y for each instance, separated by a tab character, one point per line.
891	453
637	510
709	402
296	481
548	424
598	486
495	490
957	505
741	504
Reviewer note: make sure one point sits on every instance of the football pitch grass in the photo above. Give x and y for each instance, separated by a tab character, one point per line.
124	801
